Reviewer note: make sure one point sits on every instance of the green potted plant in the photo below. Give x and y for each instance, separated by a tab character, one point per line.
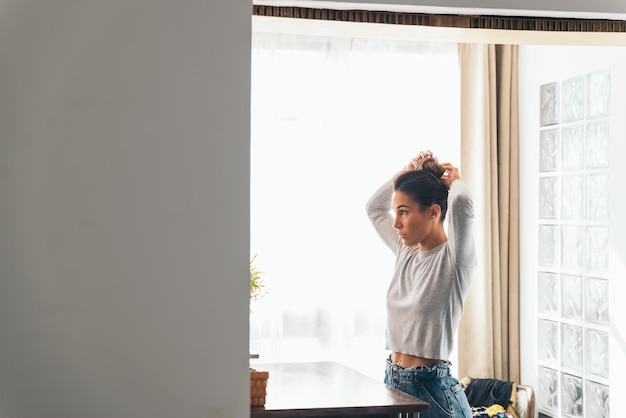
257	287
258	379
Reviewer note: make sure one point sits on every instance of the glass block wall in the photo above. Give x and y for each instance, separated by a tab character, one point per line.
573	263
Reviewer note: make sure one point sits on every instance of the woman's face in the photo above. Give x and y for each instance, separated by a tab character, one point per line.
412	222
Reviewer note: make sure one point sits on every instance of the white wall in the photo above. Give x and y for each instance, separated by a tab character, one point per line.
540	65
124	208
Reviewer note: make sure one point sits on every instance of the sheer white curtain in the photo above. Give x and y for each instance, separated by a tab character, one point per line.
332	118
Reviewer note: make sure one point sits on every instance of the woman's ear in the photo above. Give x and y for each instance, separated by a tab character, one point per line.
435	211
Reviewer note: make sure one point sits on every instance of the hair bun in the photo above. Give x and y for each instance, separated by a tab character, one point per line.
431	166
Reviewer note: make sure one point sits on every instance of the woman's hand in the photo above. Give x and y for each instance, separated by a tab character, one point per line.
451	174
414	164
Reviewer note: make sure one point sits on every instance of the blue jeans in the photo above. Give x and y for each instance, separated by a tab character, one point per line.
434	385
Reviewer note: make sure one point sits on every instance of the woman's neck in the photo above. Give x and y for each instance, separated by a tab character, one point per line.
434	239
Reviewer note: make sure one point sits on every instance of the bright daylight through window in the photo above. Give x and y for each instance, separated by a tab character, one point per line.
332	119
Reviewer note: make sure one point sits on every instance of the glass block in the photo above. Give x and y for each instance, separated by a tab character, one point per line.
597	254
597	144
547	339
549	96
597	401
548	197
572	247
572	396
572	291
547	245
548	149
572	197
597	197
572	346
548	391
572	142
573	99
597	306
597	352
547	296
598	94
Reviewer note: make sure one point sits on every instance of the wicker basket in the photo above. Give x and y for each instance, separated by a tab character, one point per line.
258	387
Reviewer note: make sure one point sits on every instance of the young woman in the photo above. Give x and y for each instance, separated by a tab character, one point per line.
431	279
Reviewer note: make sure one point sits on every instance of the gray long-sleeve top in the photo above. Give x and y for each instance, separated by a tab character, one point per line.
427	291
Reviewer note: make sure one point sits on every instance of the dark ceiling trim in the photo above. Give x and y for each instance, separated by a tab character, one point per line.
443	20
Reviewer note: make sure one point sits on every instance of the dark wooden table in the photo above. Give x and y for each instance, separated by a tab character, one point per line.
328	389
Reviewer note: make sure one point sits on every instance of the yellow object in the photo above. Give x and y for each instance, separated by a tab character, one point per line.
494	409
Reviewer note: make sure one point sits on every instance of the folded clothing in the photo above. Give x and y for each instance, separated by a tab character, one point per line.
494	411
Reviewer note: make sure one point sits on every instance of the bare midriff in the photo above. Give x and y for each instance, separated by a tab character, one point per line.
407	360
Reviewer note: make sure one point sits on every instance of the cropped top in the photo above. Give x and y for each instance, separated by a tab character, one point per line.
428	288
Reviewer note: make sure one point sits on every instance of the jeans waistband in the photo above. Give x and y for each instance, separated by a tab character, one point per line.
415	373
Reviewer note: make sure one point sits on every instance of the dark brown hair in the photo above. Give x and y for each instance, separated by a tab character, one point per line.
424	185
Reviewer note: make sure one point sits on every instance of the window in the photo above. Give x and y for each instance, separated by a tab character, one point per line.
573	271
333	117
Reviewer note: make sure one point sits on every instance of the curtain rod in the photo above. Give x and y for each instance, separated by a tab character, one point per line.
547	24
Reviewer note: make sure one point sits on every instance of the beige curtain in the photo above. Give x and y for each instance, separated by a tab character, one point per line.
489	331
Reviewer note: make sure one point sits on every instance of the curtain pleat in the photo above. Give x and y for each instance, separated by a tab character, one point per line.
508	199
489	331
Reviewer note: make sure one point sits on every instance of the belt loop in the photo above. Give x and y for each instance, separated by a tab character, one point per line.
443	369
